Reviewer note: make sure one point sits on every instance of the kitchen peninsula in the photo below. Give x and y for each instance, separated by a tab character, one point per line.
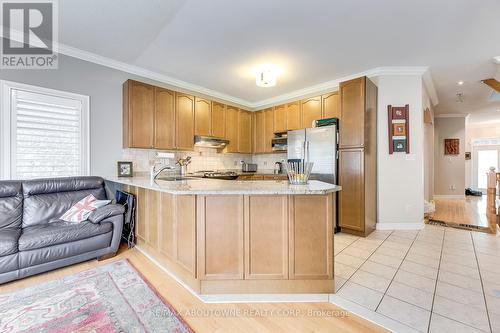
238	237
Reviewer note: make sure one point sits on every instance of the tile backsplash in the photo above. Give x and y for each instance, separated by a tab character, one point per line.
201	159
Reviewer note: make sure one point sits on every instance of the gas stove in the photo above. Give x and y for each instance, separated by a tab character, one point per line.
226	175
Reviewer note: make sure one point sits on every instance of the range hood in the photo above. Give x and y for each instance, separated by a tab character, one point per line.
210	142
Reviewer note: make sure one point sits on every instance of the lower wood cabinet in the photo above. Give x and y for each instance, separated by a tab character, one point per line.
239	243
311	237
220	237
266	237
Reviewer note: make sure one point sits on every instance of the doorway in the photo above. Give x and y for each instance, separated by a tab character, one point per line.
484	157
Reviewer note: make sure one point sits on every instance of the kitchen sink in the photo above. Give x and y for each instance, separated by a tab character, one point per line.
175	178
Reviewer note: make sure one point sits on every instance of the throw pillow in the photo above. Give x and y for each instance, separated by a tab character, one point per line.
81	210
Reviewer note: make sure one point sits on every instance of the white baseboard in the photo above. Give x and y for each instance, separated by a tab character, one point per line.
400	226
448	196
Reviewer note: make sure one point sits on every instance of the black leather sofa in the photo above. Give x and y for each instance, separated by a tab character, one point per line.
34	240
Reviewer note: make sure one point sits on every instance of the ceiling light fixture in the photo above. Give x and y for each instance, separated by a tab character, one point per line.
496	59
266	75
460	83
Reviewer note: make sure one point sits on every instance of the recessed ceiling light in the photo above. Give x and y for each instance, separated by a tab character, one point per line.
460	83
266	75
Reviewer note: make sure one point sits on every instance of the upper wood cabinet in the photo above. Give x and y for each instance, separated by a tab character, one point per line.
232	129
202	116
138	114
184	121
311	110
293	116
244	132
269	129
259	132
352	106
218	120
330	105
280	118
164	131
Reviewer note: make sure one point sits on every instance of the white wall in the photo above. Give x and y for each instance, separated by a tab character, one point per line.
449	170
400	176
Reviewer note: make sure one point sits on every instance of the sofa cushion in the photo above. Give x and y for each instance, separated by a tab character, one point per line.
8	241
48	199
59	232
11	204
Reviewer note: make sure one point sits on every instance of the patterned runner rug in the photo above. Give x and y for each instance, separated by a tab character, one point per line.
109	298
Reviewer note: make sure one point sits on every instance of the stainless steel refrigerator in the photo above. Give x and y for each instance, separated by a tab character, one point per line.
317	145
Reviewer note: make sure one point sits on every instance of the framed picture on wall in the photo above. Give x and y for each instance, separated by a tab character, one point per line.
125	169
451	146
399	145
398	129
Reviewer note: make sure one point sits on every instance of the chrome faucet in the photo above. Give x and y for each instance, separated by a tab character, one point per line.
155	173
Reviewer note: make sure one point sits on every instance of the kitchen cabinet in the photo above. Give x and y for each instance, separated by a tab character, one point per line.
232	129
293	116
358	156
138	114
184	129
202	117
218	120
310	244
280	118
352	106
259	132
220	237
311	110
269	129
244	132
164	130
330	105
266	237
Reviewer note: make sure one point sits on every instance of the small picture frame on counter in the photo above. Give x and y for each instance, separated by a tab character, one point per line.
125	169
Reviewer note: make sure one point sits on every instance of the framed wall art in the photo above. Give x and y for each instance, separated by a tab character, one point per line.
399	129
451	146
124	169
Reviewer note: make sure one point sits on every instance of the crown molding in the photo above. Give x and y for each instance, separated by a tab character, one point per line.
324	87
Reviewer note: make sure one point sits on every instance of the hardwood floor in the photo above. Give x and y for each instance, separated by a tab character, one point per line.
471	211
243	317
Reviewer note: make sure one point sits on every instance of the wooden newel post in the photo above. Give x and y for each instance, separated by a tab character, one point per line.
491	191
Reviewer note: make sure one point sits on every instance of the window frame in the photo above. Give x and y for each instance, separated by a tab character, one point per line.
6	125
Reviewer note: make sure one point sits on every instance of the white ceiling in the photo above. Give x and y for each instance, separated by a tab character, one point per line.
215	43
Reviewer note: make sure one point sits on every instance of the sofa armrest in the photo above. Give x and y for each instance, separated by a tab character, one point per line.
106	212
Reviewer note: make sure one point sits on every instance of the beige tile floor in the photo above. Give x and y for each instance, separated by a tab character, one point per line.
434	280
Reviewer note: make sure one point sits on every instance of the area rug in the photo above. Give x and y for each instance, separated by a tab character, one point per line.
109	298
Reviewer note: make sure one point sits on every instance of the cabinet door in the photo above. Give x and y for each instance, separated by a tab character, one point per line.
220	237
202	116
280	119
168	239
232	129
311	110
152	213
269	132
311	236
266	237
259	132
293	116
352	108
218	120
331	105
184	121
164	133
185	219
244	132
138	117
352	197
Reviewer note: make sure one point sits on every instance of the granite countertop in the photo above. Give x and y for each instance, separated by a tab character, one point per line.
220	187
